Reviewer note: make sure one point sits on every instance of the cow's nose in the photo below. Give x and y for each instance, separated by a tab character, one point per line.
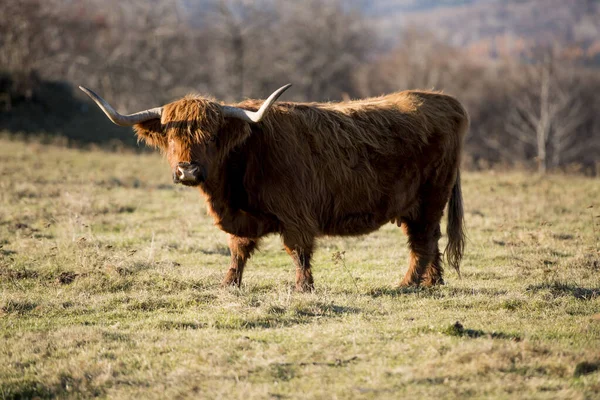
185	173
180	173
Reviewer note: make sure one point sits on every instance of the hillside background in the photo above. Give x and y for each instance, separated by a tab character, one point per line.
528	70
502	28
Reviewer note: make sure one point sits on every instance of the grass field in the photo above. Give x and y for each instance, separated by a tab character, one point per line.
110	286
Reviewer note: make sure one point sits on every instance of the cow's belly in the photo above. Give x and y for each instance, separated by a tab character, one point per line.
357	216
346	217
354	224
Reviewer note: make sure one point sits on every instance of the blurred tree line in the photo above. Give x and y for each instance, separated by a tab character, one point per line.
542	113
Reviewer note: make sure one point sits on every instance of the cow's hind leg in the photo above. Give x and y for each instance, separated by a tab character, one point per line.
425	265
241	250
434	273
301	249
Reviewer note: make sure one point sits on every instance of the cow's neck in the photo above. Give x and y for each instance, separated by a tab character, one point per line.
227	203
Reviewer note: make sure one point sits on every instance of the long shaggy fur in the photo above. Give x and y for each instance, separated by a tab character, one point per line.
313	169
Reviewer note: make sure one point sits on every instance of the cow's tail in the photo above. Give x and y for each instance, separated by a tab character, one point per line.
455	228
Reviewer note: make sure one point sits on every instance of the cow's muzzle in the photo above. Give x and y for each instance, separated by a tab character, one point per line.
187	174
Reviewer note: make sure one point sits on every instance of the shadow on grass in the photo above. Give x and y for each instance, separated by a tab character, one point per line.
265	317
278	316
440	292
558	289
28	388
7	252
320	309
286	371
19	307
586	368
17	273
457	329
169	325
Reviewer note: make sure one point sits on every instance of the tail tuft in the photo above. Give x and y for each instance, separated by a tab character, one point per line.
455	229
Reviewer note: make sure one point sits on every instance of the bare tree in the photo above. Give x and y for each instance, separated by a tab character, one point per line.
547	112
322	45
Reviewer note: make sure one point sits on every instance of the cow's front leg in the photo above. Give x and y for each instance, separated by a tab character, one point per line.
301	249
241	250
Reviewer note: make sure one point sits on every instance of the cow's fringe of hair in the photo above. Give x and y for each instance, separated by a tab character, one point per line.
197	122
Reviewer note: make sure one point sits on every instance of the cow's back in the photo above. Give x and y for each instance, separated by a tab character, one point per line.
347	168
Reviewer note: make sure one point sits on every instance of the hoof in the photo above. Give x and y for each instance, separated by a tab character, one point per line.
305	287
432	282
231	279
408	284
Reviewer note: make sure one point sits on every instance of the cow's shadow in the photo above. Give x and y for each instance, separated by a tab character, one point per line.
436	292
559	289
556	289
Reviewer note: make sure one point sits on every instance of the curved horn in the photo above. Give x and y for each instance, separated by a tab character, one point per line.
119	119
251	116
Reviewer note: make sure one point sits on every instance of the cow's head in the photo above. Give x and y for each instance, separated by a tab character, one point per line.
190	131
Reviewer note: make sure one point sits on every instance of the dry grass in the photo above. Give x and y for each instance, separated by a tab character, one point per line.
109	283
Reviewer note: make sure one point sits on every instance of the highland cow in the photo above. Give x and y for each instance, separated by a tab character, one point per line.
305	170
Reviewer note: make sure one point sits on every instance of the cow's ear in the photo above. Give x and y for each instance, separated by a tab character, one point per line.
152	133
233	133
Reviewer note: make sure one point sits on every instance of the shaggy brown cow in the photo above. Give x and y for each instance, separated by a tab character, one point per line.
305	170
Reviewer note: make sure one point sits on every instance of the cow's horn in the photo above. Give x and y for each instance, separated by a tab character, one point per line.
251	116
119	119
